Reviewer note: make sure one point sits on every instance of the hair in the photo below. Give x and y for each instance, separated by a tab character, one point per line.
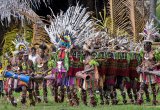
43	46
148	43
53	48
33	48
9	67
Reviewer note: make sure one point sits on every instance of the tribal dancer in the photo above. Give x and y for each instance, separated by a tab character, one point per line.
16	66
9	84
132	84
122	73
21	85
58	73
33	56
75	66
41	71
28	69
88	82
102	68
52	62
148	63
110	79
145	78
9	88
15	84
67	31
22	47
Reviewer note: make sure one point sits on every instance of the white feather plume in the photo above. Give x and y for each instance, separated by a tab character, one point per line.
75	22
20	41
150	32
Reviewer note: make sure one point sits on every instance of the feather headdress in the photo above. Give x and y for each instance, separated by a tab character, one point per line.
150	32
73	27
20	44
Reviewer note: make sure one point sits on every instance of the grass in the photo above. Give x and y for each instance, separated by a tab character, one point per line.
51	105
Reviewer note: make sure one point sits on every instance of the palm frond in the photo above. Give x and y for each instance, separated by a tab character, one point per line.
119	16
15	8
136	16
39	35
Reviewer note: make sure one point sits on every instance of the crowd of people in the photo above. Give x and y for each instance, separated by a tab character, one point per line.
66	72
82	60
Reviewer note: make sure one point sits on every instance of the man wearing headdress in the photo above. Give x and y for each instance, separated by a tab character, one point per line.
15	84
132	83
28	69
52	63
33	56
69	34
9	88
87	84
18	65
9	84
148	63
41	68
110	79
122	73
75	65
101	69
145	78
61	70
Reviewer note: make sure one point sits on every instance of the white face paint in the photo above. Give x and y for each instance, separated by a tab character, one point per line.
59	65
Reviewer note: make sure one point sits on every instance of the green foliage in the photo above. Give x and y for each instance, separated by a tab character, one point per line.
50	63
11	35
128	57
8	46
93	63
157	55
28	33
105	24
81	57
158	2
66	61
139	58
158	13
51	105
53	60
141	53
8	38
